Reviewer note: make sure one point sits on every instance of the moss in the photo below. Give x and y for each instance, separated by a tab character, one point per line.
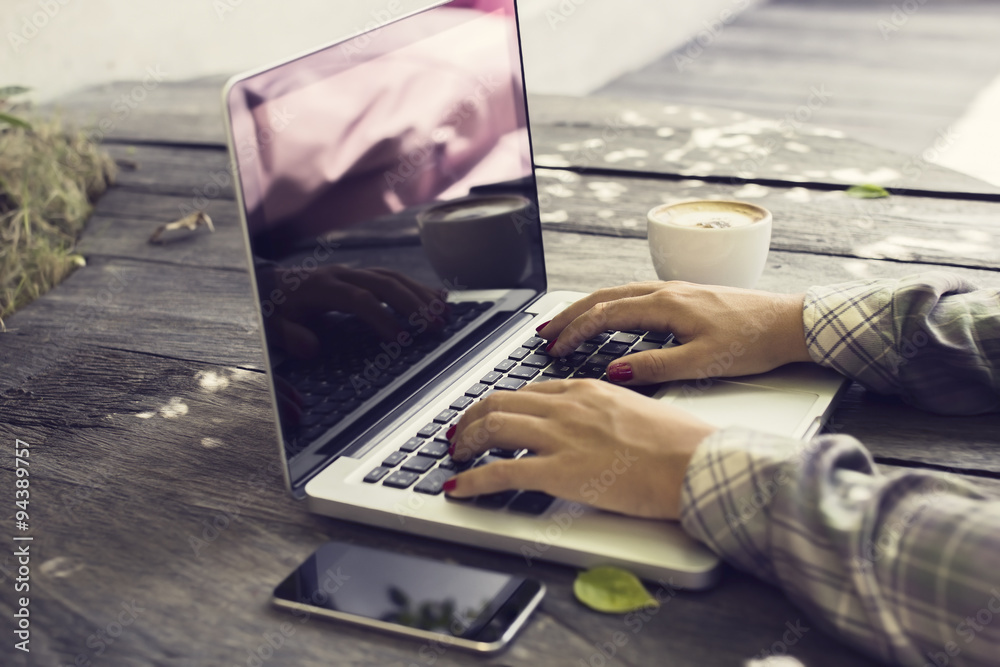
49	179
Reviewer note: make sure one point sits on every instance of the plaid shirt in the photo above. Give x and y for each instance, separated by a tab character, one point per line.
904	566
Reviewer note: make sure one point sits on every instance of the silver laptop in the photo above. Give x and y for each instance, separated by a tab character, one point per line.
388	199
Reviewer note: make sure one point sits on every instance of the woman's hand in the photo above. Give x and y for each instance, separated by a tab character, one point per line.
724	331
593	442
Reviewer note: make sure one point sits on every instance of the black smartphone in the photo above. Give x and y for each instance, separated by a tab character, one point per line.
454	605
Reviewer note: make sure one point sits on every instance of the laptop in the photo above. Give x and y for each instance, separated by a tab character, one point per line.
388	200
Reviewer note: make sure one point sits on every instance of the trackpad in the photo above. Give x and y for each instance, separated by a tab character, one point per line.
727	403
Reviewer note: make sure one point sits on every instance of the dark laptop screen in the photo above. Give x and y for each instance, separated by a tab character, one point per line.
389	196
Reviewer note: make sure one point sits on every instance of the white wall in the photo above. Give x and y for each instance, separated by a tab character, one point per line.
55	46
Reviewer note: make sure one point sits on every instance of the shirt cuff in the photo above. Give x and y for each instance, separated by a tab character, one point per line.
842	325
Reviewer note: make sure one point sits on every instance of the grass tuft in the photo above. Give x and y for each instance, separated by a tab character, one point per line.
49	179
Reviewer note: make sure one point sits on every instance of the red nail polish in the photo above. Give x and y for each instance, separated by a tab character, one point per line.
451	449
548	348
449	485
450	432
542	325
620	372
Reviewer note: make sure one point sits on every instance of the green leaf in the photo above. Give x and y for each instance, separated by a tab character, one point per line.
867	191
11	91
611	590
14	120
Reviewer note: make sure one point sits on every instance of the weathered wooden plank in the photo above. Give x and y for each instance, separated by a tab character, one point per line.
195	173
766	59
921	229
176	112
124	220
917	229
159	309
653	137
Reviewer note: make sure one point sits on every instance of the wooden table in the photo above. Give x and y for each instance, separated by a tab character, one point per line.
159	519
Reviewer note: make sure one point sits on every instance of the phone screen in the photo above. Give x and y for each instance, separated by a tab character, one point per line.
432	596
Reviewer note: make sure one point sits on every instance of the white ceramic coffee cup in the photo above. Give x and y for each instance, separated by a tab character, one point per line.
477	242
710	242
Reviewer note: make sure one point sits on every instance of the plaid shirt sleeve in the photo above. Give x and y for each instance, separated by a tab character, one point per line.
906	567
931	338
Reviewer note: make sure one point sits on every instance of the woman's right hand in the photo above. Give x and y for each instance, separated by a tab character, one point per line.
723	331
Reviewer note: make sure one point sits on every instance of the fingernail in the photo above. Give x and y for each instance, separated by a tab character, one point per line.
542	325
620	372
449	485
548	348
450	432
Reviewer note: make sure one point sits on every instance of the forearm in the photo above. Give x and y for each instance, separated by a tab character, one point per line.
933	339
891	565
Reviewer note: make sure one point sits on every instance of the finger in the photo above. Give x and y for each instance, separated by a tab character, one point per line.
630	312
520	401
525	473
683	362
504	430
555	326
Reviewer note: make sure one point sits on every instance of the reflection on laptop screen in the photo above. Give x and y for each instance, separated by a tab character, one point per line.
389	196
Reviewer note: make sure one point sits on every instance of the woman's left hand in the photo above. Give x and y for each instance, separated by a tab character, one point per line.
593	442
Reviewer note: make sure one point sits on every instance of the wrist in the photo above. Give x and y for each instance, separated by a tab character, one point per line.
789	331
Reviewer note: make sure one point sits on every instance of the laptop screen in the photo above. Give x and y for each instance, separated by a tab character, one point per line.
389	197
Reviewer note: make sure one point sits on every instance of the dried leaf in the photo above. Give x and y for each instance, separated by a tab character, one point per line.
611	590
189	222
867	191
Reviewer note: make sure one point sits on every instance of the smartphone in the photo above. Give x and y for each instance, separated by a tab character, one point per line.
449	604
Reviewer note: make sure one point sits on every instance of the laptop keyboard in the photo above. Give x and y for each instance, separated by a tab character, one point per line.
338	383
422	463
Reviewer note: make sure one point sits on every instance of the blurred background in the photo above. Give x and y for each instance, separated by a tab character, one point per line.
918	76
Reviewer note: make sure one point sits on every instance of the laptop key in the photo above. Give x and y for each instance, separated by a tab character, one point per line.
476	389
599	338
434	449
448	463
411	445
433	481
401	479
377	474
589	372
495	500
657	337
445	416
533	342
519	353
559	370
642	346
510	383
587	348
461	403
624	337
394	459
504	453
614	349
505	366
531	502
537	360
491	377
524	372
419	464
429	430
